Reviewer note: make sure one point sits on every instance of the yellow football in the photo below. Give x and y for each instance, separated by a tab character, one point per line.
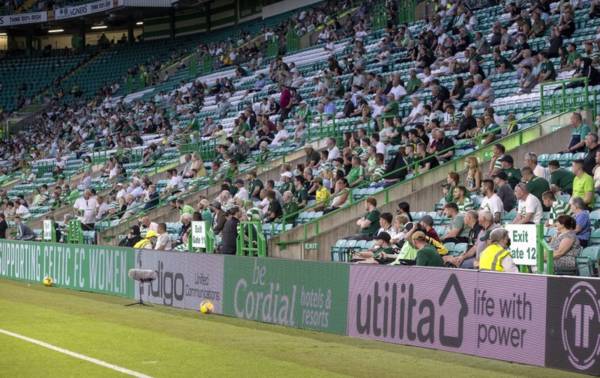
48	281
206	307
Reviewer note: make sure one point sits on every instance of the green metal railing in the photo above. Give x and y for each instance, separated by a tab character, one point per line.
512	141
206	149
74	232
566	95
251	240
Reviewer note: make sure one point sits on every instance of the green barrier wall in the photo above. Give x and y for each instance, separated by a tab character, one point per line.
75	266
309	295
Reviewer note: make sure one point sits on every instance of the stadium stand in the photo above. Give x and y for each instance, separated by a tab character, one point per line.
297	139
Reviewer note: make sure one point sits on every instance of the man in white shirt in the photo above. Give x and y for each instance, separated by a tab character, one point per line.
491	202
163	243
529	208
416	114
332	150
281	136
175	182
397	89
87	206
242	192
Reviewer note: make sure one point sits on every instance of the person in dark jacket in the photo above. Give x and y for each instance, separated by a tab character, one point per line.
230	232
395	170
132	237
3	226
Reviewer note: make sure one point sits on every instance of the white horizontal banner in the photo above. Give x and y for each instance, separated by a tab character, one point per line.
85	9
24	18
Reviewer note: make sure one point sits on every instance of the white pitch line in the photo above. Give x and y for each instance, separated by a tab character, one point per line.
76	355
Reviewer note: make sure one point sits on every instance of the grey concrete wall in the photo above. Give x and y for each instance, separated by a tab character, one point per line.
422	193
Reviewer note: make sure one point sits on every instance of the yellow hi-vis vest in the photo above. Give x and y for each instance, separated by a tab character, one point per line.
491	258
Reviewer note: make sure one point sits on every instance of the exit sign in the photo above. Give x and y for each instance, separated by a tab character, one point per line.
311	246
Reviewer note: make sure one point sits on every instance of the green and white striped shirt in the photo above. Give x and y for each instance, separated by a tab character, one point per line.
559	208
466	205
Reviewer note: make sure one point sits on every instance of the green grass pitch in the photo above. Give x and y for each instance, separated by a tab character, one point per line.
165	342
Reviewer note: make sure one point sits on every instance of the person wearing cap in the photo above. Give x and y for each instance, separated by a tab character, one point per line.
286	182
427	255
505	191
529	208
496	256
382	249
561	179
426	224
513	174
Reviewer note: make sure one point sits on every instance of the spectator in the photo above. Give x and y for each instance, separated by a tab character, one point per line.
442	146
426	225
219	217
87	207
474	175
381	251
496	256
132	238
592	148
583	227
491	201
512	173
505	191
557	207
529	209
242	193
452	182
290	207
146	225
457	231
23	231
275	211
472	223
427	255
230	232
163	242
583	184
495	163
385	223
462	199
369	223
470	258
565	246
580	131
560	179
3	226
535	185
148	242
531	161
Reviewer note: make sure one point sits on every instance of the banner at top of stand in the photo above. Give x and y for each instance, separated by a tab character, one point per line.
85	9
23	18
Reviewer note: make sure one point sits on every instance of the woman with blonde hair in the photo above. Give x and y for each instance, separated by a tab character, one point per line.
198	165
474	175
